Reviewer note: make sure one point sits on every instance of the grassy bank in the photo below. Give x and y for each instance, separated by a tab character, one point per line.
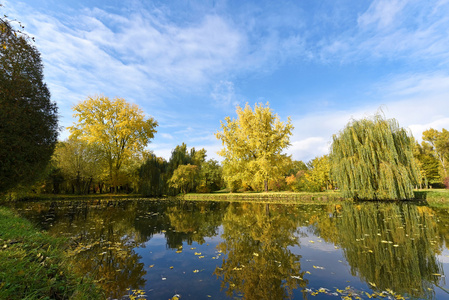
33	264
275	197
434	197
438	197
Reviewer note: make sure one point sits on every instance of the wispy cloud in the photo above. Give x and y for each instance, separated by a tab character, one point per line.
396	30
417	101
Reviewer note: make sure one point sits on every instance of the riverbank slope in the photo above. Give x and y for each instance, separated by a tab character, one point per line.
33	265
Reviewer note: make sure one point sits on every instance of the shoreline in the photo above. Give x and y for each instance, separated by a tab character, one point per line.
433	197
35	263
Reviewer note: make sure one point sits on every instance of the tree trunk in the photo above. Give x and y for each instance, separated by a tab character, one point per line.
265	183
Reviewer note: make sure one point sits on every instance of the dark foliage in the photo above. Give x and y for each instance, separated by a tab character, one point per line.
28	118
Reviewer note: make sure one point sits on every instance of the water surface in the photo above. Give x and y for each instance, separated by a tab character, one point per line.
225	250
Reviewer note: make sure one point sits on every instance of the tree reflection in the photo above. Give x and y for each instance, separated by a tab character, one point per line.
259	264
193	221
389	246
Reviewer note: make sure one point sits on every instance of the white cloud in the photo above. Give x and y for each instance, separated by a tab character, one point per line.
166	136
223	94
397	29
381	13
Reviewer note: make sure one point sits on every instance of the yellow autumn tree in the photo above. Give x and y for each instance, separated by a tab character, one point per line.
253	145
120	129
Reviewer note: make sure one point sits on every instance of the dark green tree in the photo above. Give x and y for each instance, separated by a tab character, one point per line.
153	177
372	158
28	118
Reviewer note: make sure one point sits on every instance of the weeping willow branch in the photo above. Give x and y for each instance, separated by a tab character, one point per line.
372	159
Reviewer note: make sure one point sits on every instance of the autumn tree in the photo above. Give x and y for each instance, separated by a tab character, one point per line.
28	117
317	177
210	176
372	158
81	164
183	178
253	145
428	164
440	144
118	128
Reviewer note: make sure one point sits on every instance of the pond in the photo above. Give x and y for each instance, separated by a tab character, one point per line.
226	250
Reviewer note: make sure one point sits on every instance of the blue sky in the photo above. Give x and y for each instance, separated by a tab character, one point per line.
189	63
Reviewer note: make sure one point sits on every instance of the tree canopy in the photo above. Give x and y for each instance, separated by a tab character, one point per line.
253	146
118	128
440	144
28	117
372	158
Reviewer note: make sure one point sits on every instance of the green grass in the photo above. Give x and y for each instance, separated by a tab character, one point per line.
33	265
275	197
435	197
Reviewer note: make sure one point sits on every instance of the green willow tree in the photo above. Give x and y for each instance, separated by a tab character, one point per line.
372	159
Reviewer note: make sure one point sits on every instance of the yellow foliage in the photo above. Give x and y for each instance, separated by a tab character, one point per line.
253	146
117	127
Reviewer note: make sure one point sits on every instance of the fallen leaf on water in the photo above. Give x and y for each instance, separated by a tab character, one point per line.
196	271
151	266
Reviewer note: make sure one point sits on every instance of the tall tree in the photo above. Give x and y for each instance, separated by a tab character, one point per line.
372	158
81	164
440	143
153	176
183	178
428	164
253	146
117	127
28	117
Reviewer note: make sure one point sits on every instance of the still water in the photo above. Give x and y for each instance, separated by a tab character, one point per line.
226	250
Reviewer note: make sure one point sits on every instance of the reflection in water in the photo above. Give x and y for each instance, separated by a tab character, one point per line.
389	246
259	264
